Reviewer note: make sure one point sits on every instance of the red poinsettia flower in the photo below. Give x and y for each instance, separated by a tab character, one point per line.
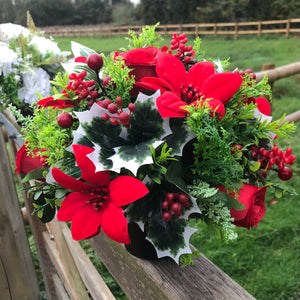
26	162
180	88
97	203
58	103
253	198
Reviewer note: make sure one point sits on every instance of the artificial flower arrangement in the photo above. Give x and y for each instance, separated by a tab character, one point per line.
142	141
28	61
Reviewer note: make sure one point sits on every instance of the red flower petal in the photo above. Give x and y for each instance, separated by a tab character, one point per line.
171	69
114	224
71	205
45	100
80	59
221	86
199	73
154	84
59	103
168	105
263	106
69	182
86	223
26	163
88	168
126	189
217	107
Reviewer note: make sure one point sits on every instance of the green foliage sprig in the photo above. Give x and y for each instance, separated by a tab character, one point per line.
147	38
226	170
42	133
119	75
213	207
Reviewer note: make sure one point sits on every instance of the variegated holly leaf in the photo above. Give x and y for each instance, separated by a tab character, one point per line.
180	136
170	238
118	147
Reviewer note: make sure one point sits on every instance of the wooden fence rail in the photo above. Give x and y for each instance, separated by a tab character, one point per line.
68	272
286	27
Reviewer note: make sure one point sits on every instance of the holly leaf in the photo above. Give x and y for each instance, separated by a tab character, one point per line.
174	175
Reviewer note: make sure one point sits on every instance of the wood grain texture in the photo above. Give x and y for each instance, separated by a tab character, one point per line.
163	279
90	276
64	262
17	268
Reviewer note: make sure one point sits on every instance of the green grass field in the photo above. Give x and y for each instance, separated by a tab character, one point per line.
264	260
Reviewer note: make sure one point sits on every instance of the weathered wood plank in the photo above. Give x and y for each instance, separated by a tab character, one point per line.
280	72
54	287
16	261
163	279
64	262
90	276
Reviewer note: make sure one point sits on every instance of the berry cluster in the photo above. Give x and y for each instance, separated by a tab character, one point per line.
113	108
184	53
176	207
84	89
246	74
268	159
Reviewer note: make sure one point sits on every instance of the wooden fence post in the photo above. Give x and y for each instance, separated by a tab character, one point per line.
17	274
236	29
288	25
259	29
215	30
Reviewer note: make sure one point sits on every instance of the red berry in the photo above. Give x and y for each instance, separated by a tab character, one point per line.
124	117
183	198
112	108
272	161
170	197
281	165
106	81
178	214
167	216
95	61
165	204
131	107
105	116
285	174
114	121
248	71
186	204
65	120
119	100
236	147
289	151
104	103
176	207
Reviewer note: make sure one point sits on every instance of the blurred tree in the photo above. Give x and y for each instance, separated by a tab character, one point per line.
47	13
153	11
92	12
124	14
7	12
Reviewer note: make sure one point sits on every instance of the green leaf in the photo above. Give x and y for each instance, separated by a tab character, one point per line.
166	235
174	175
233	203
35	174
254	166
